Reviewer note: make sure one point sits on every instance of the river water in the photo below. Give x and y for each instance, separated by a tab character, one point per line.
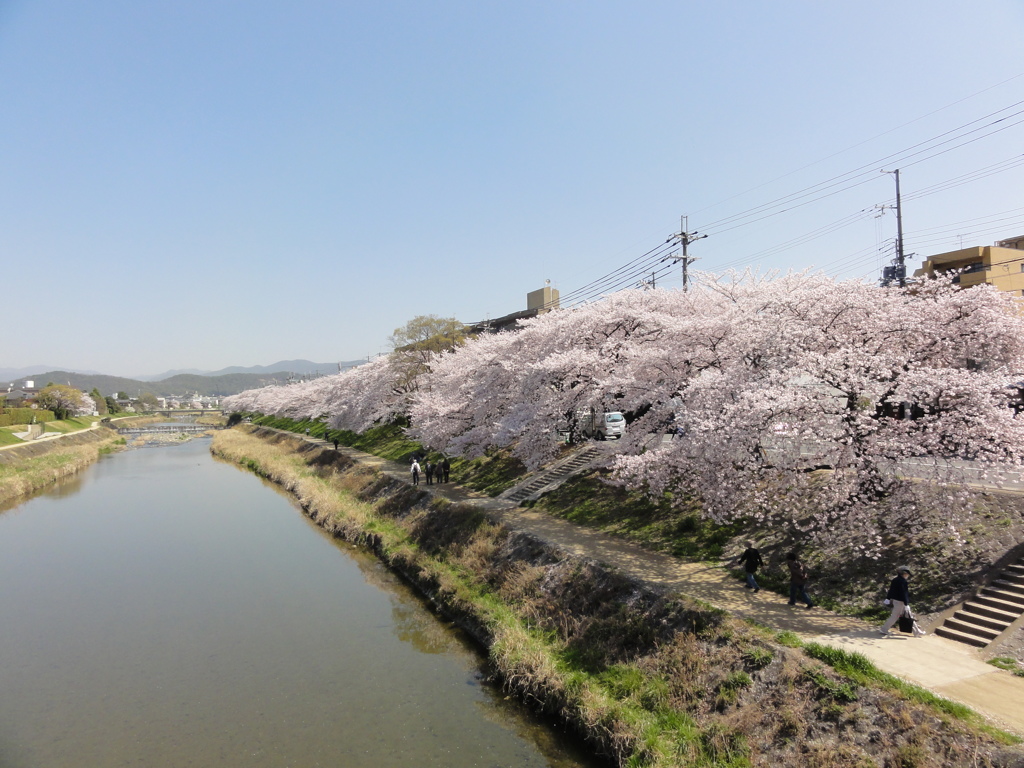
167	609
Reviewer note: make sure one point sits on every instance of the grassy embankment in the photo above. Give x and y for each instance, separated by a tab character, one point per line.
648	679
944	570
52	460
491	474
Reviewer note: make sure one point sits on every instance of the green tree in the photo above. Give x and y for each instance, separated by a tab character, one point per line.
63	400
417	342
101	402
148	401
112	406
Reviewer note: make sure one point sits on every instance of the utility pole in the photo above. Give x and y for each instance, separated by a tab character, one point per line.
901	266
647	285
685	238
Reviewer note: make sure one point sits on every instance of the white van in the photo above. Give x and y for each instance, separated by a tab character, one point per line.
602	424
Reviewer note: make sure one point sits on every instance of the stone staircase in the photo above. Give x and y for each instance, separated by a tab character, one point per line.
985	616
548	479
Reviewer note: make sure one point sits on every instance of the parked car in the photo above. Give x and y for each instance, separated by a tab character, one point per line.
601	424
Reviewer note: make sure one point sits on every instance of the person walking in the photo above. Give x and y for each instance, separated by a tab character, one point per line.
798	577
446	467
751	561
429	469
415	469
899	596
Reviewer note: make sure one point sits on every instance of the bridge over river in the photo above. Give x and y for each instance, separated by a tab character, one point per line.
188	429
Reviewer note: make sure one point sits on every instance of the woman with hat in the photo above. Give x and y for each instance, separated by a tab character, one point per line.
899	596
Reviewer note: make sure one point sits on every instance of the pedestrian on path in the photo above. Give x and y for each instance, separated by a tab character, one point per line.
798	576
430	472
751	561
899	596
446	467
415	469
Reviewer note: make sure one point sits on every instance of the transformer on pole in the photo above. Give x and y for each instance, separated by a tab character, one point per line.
685	238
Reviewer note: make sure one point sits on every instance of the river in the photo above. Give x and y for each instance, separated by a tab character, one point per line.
165	608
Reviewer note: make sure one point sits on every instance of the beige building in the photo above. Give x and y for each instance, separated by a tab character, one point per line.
538	302
1001	265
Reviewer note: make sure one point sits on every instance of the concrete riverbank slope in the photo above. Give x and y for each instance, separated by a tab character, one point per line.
591	631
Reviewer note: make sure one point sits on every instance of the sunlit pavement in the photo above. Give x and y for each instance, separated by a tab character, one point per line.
50	436
948	668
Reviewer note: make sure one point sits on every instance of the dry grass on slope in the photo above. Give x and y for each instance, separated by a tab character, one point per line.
649	678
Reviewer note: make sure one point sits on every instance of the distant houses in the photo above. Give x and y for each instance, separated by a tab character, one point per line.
24	396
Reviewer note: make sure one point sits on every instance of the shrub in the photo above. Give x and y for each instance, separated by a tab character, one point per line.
11	416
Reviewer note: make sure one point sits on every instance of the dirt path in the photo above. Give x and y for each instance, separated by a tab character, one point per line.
948	668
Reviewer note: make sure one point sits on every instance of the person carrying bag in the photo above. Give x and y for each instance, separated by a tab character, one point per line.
899	596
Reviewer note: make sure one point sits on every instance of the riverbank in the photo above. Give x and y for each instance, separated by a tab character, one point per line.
31	466
647	676
27	468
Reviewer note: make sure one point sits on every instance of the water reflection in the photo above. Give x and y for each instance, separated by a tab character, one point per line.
171	611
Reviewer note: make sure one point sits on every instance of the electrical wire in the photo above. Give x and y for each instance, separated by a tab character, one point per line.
638	268
872	167
861	143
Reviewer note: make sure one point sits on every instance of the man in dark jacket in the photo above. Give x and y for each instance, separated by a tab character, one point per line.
899	596
751	561
797	581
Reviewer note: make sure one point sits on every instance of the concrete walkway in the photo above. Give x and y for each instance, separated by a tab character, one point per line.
48	436
950	669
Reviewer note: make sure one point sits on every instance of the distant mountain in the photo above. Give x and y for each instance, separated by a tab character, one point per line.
289	366
227	381
182	384
298	367
11	375
169	374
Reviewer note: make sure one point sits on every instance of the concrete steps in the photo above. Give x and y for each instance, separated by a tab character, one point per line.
989	613
552	477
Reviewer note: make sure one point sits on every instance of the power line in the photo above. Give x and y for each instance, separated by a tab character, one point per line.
864	173
936	146
864	213
861	143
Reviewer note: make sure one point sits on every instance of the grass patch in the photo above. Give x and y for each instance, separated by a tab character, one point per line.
861	671
7	436
490	474
27	475
657	523
385	440
1008	663
65	426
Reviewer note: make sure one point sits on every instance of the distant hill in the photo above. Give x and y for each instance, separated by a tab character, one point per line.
12	375
299	367
182	384
227	381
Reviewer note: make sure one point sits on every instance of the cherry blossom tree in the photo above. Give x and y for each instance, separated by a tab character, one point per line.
848	376
64	401
355	399
762	380
791	399
520	389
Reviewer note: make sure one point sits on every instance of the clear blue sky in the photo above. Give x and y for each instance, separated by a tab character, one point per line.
201	184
